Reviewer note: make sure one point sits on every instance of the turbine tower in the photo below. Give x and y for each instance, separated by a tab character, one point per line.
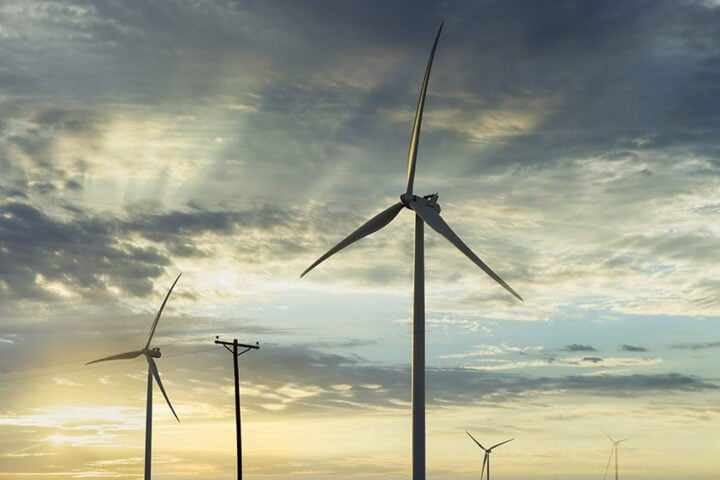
613	453
486	457
150	355
426	210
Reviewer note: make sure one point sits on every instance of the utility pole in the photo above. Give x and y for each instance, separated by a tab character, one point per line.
233	347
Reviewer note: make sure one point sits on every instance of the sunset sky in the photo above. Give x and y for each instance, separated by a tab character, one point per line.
575	146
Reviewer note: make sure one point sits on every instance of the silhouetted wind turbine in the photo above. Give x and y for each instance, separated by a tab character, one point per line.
427	211
486	457
150	355
613	453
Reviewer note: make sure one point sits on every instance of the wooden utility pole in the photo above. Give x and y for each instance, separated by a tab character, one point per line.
234	348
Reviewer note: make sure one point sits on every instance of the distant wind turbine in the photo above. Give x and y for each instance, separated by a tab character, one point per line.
427	211
150	355
613	453
486	457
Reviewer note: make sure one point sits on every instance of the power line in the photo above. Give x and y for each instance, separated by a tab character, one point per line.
46	365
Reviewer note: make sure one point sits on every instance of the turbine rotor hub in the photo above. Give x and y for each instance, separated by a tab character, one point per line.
430	200
406	198
155	352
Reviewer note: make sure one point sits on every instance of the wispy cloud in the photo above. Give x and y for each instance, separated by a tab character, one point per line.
696	346
575	362
492	350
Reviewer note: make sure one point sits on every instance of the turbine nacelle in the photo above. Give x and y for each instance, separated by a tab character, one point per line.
154	352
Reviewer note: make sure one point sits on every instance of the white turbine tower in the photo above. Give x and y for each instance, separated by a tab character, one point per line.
150	355
613	453
427	211
486	457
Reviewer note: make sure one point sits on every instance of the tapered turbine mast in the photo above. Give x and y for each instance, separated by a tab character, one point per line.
150	355
426	210
486	458
613	453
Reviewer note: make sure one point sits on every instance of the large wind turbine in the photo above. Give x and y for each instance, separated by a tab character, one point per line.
427	211
613	453
486	458
150	355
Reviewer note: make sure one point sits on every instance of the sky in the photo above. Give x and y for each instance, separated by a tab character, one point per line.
574	146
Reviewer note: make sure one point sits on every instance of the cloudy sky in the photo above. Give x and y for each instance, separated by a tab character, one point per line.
575	148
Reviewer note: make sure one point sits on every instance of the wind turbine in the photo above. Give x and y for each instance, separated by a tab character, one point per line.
150	355
613	453
486	457
427	211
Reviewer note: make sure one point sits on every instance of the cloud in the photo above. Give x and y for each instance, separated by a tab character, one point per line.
573	362
298	379
573	144
696	346
43	257
632	348
310	126
83	254
494	350
576	347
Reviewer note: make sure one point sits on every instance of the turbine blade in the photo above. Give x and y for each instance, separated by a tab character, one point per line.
415	137
432	217
606	434
501	443
371	226
485	459
478	443
157	316
156	376
120	356
608	464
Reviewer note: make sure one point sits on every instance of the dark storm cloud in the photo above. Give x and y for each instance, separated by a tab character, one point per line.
619	85
152	42
632	348
619	77
576	347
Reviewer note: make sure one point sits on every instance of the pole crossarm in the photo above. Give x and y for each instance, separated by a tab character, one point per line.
235	343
